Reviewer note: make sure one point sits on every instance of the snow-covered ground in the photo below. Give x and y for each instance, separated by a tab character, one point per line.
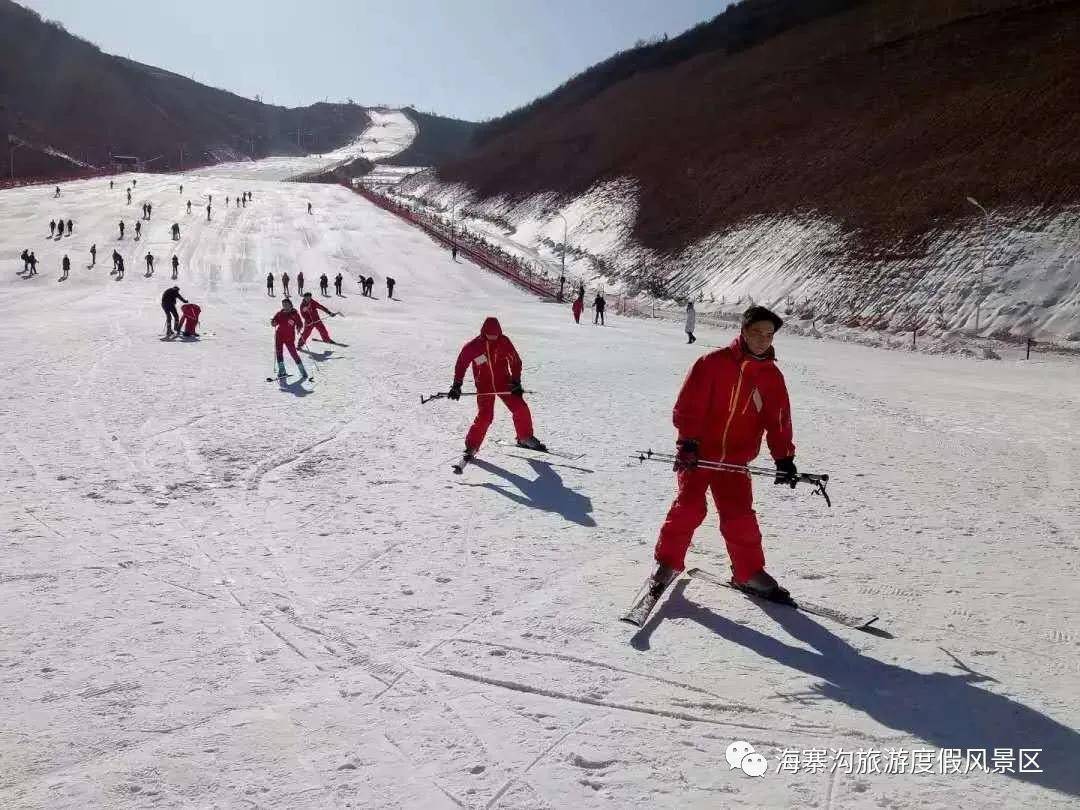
390	132
218	592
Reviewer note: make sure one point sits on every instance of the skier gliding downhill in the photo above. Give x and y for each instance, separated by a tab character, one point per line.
496	370
730	398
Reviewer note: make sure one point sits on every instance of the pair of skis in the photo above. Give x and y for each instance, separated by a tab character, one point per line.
652	591
282	378
459	466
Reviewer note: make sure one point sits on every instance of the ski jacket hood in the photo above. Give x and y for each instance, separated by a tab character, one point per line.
491	327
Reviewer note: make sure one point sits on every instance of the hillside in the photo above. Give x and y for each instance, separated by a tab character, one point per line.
438	140
867	125
61	93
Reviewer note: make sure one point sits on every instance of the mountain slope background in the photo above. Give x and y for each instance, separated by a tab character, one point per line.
859	127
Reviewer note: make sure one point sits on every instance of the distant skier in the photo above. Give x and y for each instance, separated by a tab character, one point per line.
110	185
176	231
181	189
309	310
300	283
65	266
52	228
138	230
496	369
149	264
57	194
730	398
189	320
119	267
32	260
226	200
93	254
189	206
129	196
121	229
286	322
324	285
237	200
175	267
25	256
309	208
453	252
691	321
578	305
285	283
168	303
599	304
270	284
115	261
390	287
149	210
338	281
144	216
70	227
208	212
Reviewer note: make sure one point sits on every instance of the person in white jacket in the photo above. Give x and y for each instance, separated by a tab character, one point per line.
691	321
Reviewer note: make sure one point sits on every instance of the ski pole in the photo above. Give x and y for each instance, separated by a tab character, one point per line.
444	394
820	482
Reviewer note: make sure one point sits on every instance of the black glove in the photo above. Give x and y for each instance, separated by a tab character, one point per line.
455	391
687	456
516	388
786	473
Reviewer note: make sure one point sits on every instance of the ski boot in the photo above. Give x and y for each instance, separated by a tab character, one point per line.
281	375
303	371
763	585
532	443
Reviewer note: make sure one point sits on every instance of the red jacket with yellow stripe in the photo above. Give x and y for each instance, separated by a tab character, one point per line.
729	400
494	362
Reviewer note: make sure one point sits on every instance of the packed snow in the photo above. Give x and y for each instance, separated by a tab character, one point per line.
390	132
222	592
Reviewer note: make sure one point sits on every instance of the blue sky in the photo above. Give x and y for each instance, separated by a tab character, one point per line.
471	59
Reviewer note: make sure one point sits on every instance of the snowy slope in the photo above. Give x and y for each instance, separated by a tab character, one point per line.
1031	283
216	592
390	132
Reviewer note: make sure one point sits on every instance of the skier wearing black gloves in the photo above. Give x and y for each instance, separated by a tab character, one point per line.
168	303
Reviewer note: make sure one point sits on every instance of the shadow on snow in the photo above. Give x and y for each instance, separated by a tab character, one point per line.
546	492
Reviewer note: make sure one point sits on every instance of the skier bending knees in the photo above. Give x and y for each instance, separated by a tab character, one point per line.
496	369
285	324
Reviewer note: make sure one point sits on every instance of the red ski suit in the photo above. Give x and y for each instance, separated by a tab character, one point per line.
309	309
494	364
729	400
189	319
579	304
285	326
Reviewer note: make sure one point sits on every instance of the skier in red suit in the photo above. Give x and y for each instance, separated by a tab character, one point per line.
309	309
730	399
579	304
496	370
189	320
285	324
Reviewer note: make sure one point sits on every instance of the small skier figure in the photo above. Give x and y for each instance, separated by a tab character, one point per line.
93	254
129	196
270	284
176	231
121	229
138	231
57	194
189	320
115	262
390	287
226	200
338	281
175	267
25	256
119	267
691	321
71	226
65	267
496	369
309	310
324	284
578	305
33	264
453	252
285	324
309	208
599	304
110	185
149	264
300	283
237	201
181	189
208	212
189	206
168	303
52	228
730	398
285	284
149	210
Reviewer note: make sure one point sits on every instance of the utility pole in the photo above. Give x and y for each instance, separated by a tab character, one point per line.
982	266
562	272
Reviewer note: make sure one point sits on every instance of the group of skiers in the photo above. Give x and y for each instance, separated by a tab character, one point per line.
56	228
324	284
287	322
183	324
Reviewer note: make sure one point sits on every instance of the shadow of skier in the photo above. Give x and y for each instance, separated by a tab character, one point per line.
546	492
944	709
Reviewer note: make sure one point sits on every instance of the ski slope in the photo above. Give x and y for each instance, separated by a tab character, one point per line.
219	592
390	132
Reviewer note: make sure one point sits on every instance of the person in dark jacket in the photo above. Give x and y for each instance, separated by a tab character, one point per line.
172	317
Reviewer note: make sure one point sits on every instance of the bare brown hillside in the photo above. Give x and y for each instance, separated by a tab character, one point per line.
884	117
